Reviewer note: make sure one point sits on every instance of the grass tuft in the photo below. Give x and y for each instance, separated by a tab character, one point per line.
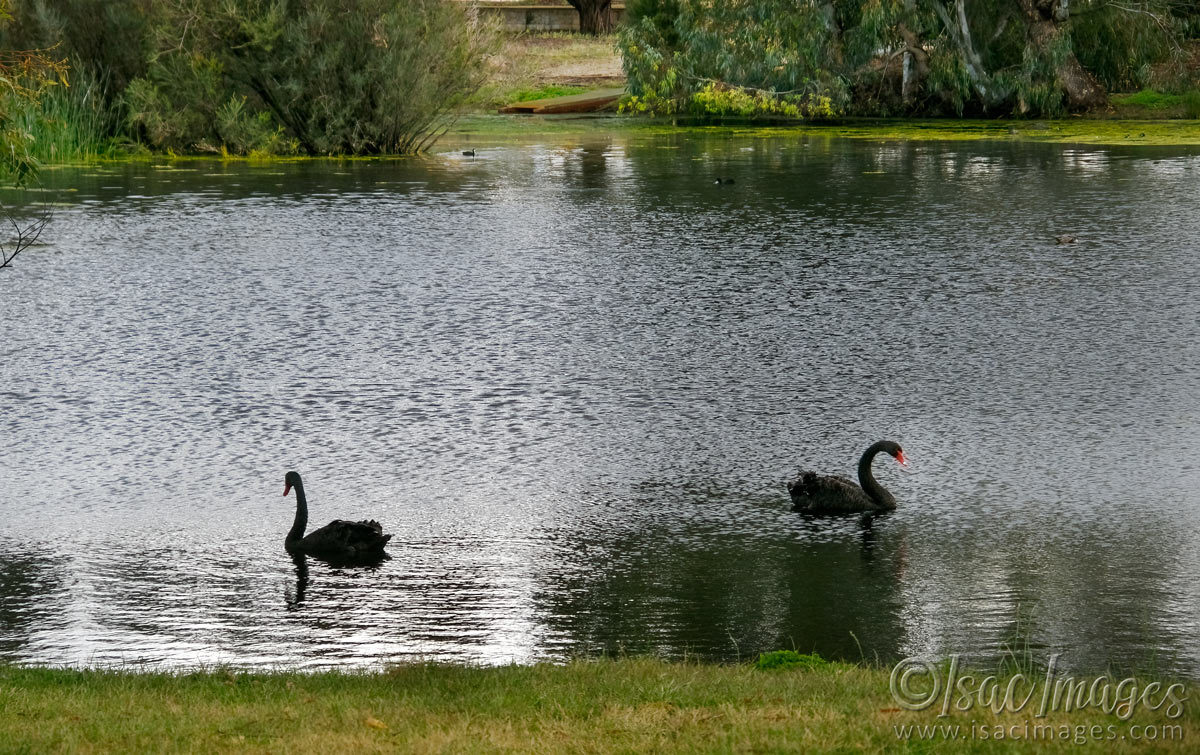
785	659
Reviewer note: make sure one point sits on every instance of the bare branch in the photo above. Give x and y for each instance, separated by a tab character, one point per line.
25	237
1162	24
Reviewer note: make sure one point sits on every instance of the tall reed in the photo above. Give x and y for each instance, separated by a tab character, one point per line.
64	124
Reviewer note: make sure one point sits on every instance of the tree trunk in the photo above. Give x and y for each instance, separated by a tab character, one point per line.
960	31
1047	22
915	67
595	16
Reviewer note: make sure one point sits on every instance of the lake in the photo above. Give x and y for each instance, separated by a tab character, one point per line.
572	377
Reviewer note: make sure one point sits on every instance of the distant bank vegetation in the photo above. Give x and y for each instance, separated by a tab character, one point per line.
84	78
311	77
905	57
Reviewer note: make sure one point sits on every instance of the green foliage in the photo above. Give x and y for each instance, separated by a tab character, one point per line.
774	48
719	100
104	40
949	79
785	659
64	123
24	76
241	76
245	133
878	57
361	77
1118	44
174	108
1035	84
661	15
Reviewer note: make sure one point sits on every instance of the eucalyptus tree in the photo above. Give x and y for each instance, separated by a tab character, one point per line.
891	56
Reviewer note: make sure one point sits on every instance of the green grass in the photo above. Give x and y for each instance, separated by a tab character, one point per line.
525	94
1186	105
1149	98
633	705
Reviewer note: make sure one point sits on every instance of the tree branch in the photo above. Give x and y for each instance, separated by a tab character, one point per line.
25	237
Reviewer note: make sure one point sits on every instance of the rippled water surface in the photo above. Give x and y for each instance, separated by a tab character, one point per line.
572	379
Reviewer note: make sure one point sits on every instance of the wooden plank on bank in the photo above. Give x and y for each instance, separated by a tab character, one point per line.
573	103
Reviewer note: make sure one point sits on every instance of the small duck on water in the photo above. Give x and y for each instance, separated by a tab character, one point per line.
1064	238
726	181
468	153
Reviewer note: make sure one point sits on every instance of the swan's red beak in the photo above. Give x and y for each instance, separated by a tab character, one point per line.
287	488
899	457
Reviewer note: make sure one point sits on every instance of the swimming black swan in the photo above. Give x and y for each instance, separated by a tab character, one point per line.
826	494
337	541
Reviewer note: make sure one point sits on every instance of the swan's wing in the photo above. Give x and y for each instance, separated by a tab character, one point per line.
809	483
371	524
839	480
354	532
827	493
345	542
341	533
828	484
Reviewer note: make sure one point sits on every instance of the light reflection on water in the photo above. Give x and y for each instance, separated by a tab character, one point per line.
571	380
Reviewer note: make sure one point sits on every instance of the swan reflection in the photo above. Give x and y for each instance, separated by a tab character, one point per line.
297	597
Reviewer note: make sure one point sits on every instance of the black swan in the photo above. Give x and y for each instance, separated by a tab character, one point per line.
826	494
337	541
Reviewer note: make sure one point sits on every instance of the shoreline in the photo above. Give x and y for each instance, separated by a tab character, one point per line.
1092	132
483	130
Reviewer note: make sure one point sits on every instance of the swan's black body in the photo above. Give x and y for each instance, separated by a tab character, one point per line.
338	541
827	494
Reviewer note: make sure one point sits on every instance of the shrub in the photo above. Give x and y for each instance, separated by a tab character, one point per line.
359	76
723	100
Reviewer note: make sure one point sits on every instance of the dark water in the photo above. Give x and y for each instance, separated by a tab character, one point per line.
572	380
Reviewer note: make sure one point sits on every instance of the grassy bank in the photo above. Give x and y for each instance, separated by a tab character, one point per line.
606	706
536	65
1151	104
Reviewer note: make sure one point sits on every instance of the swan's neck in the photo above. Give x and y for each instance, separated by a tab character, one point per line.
297	530
870	486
